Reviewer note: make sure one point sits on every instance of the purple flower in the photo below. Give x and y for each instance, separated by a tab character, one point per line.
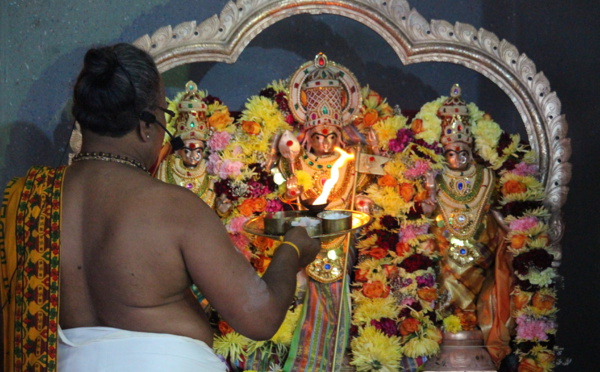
386	325
426	280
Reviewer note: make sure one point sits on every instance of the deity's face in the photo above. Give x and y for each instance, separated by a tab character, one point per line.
191	153
324	139
458	155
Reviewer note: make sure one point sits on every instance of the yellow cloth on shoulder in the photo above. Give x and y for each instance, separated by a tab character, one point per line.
29	264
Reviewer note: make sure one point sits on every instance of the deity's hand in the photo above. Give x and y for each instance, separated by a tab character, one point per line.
500	220
224	205
289	147
372	141
364	204
308	246
293	189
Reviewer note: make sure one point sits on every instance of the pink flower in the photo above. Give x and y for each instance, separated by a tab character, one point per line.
230	168
411	231
533	329
236	224
213	165
407	301
524	169
523	224
421	167
274	206
241	243
219	141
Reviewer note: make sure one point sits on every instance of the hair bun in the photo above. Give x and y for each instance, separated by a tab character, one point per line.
101	63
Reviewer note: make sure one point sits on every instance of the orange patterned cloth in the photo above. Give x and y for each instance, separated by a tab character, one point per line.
29	264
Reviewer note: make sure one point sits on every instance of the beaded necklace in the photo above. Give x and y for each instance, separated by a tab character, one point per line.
111	158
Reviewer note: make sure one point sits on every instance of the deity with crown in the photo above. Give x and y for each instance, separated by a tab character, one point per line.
474	274
324	97
186	167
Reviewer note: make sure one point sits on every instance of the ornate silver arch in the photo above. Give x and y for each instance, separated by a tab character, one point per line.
222	38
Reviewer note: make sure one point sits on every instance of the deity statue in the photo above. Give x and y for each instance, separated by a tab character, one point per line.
321	170
474	276
186	167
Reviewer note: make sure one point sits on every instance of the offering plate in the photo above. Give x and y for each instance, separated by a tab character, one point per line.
256	225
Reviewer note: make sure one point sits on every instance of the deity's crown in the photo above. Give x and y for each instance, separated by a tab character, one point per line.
455	119
191	122
323	93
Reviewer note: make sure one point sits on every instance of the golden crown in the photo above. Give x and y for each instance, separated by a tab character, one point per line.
455	119
191	120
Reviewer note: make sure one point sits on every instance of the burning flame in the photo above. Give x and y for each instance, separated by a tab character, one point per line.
335	175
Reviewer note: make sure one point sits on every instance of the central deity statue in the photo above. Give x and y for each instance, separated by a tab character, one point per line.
323	97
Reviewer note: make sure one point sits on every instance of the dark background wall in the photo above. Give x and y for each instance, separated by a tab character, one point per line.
43	43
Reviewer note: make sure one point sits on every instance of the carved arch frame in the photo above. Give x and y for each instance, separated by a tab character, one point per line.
223	37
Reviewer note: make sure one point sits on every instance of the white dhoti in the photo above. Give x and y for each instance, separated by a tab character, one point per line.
104	349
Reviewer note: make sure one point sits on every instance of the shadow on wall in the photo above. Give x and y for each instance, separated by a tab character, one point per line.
28	145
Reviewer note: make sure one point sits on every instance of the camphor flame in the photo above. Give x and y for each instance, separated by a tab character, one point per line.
335	175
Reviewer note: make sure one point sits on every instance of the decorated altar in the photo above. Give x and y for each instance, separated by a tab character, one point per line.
394	279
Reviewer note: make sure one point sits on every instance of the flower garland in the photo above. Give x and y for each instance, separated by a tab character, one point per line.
395	280
534	296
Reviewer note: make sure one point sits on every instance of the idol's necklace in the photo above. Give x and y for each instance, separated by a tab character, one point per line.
111	158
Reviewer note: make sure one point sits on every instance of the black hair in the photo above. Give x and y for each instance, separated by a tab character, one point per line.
117	83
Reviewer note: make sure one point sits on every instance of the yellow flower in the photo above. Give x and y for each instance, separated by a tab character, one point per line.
374	308
386	129
230	345
304	179
424	344
374	351
432	125
486	132
452	324
286	331
388	199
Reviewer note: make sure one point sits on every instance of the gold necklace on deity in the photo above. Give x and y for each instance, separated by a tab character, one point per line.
462	213
111	158
188	178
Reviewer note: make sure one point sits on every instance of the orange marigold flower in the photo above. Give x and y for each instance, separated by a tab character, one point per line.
520	299
417	126
427	294
420	196
220	119
529	365
377	252
390	270
408	326
260	204
513	187
468	319
224	328
370	118
247	207
518	241
543	301
360	276
262	242
375	289
251	127
402	249
387	180
407	191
